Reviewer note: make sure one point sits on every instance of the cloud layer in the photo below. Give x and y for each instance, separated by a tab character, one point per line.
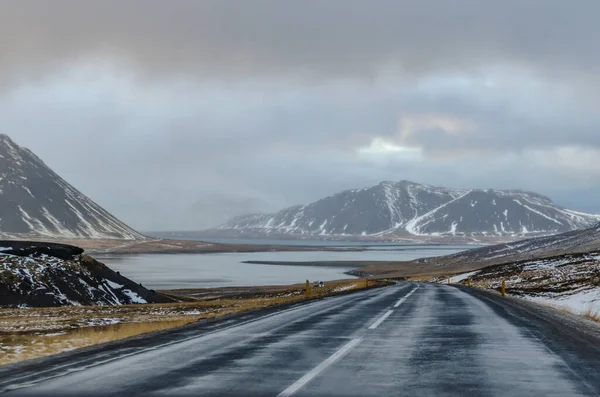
309	38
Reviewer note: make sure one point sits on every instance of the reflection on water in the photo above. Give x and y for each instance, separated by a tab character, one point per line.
162	271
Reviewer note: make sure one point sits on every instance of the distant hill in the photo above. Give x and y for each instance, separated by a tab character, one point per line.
36	202
579	248
410	210
576	242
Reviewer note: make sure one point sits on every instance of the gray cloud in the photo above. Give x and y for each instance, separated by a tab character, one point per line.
309	38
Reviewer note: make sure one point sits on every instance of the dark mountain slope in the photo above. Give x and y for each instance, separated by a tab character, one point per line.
575	242
35	201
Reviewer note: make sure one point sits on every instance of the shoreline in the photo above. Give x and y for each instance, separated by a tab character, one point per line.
224	250
173	246
160	246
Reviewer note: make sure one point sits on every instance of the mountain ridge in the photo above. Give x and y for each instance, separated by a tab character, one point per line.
407	209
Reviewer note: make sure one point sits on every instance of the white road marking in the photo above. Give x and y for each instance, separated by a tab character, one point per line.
300	383
381	319
389	313
401	301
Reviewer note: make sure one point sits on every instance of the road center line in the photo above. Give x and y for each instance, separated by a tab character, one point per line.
401	301
381	319
300	383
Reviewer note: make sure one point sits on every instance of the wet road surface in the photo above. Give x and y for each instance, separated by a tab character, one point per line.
412	339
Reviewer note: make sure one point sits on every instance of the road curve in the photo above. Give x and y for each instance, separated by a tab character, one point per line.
412	339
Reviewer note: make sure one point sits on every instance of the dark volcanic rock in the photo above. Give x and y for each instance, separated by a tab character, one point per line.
34	249
60	275
35	201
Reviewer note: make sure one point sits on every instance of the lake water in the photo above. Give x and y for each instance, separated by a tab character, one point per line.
164	271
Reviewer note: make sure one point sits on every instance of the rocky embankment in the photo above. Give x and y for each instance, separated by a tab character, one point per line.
34	274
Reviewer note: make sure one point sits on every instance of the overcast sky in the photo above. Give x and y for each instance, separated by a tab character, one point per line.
176	114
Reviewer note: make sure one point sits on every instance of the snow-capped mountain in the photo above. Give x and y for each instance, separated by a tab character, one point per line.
405	209
35	201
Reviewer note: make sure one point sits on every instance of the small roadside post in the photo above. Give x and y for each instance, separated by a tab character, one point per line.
503	289
469	281
307	289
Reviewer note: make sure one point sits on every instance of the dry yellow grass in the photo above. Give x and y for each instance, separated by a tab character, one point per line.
419	278
39	332
592	314
19	347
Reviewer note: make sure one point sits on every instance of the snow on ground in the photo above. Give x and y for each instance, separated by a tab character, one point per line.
569	281
11	349
463	276
579	302
95	322
195	312
345	288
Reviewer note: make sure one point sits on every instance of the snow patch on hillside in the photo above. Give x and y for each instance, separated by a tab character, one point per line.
133	297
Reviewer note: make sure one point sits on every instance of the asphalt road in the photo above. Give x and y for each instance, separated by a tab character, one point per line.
405	340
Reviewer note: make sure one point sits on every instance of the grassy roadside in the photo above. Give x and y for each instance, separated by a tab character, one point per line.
38	332
592	314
